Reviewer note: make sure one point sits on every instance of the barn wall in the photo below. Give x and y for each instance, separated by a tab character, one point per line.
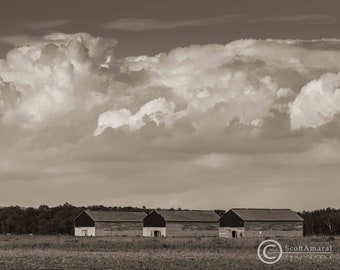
80	231
119	228
273	225
226	232
148	231
191	229
268	229
273	234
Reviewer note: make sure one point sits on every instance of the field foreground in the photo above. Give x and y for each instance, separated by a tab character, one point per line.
67	252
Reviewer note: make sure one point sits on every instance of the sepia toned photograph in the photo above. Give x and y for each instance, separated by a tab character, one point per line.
169	134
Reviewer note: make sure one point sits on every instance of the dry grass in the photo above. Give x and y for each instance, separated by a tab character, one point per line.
67	252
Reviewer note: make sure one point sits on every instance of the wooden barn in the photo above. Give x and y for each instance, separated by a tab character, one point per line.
252	222
181	223
104	223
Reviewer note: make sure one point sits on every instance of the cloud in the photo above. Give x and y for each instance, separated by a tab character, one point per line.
211	85
323	153
20	40
54	79
158	111
243	97
151	24
242	115
317	103
204	89
98	48
131	24
309	18
211	161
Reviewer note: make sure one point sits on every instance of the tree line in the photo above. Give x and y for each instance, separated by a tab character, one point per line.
46	220
321	222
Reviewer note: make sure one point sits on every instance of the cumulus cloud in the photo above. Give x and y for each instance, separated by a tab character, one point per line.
200	90
158	111
210	85
234	114
54	78
317	103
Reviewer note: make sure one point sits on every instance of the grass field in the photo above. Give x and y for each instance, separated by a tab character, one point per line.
68	252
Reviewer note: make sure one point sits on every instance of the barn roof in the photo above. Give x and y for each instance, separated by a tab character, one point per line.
189	215
113	216
256	214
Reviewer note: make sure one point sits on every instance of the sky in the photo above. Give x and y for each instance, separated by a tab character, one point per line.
191	104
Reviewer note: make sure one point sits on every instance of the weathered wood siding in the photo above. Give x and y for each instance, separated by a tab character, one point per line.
273	234
119	228
191	229
273	225
277	228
